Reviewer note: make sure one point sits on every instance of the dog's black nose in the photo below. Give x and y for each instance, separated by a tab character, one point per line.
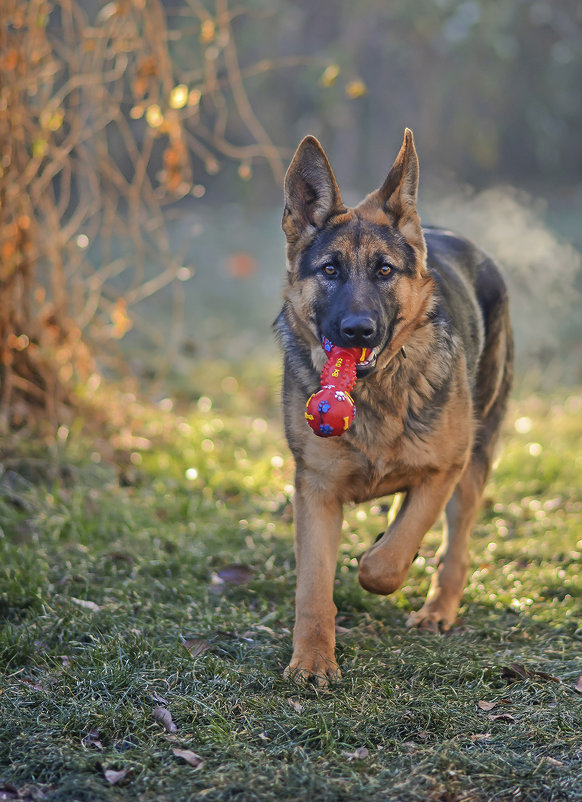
358	330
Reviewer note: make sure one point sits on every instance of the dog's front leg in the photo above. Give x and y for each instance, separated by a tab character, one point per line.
318	520
385	565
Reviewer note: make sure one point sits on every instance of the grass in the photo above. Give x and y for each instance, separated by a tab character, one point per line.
118	595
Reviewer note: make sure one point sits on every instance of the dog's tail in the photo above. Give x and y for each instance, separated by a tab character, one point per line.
495	371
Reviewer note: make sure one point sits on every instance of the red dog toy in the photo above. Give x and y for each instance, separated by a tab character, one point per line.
331	411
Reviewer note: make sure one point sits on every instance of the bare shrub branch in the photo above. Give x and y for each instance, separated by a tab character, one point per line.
100	130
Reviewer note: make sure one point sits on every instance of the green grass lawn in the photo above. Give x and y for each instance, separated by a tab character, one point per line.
151	566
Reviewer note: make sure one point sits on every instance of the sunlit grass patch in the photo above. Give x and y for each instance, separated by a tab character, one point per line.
162	575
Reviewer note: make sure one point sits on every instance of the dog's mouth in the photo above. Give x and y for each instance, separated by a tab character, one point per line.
366	366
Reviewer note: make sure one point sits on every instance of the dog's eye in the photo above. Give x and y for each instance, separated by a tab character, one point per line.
385	270
330	270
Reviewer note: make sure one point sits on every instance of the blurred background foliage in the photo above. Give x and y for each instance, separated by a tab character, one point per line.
144	143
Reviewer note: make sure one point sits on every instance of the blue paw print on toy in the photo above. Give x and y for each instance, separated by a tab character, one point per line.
327	345
323	407
326	428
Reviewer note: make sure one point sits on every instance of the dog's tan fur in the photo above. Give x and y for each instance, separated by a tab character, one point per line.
441	462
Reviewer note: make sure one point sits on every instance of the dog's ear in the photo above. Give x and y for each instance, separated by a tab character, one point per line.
397	195
311	191
398	192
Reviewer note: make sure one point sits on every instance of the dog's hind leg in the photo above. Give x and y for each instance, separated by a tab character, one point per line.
495	374
448	582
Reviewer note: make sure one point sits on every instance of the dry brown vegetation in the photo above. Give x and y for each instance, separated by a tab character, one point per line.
101	129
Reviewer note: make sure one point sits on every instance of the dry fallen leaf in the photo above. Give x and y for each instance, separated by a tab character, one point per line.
480	736
268	630
297	707
159	699
113	777
358	754
163	715
552	761
514	671
517	671
86	604
235	574
31	684
190	757
92	739
543	675
502	717
483	705
578	685
196	646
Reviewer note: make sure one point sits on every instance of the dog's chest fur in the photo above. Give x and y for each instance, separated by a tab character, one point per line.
406	424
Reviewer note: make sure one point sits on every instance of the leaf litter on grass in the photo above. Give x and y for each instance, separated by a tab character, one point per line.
234	574
189	756
114	776
482	704
163	716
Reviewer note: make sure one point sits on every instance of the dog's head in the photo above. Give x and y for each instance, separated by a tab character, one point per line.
355	275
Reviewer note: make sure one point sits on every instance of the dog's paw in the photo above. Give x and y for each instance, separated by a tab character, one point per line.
314	669
431	618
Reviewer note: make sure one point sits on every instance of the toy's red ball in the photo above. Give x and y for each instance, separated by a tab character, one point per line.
330	412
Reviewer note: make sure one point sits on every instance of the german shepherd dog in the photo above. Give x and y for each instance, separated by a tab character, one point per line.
430	400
